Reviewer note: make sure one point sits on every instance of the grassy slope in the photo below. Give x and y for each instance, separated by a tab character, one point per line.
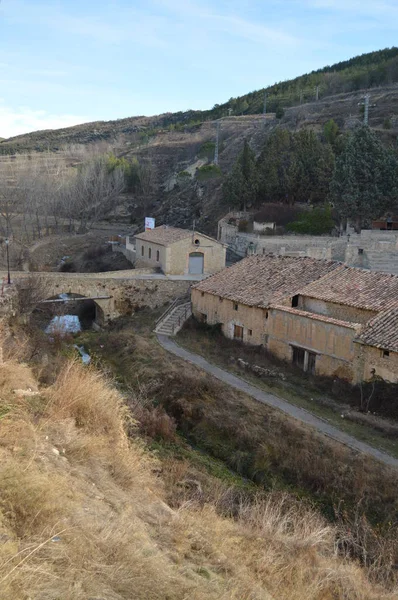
82	512
251	439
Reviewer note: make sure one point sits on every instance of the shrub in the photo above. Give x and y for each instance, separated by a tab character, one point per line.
314	222
95	252
208	172
207	150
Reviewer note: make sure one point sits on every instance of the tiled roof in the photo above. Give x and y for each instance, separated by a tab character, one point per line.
382	331
164	235
360	288
260	280
315	317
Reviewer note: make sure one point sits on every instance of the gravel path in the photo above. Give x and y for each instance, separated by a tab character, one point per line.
290	409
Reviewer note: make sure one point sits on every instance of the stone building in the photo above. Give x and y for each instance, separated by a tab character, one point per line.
179	251
327	318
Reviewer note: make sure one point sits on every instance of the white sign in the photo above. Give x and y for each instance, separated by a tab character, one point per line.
149	223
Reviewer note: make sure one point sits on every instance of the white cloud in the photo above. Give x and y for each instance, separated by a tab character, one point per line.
15	121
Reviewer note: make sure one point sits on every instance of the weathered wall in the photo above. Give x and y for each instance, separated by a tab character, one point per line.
144	249
126	294
371	361
335	311
213	252
220	310
332	343
174	259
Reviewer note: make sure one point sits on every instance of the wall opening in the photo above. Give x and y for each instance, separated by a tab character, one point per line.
295	300
238	332
196	263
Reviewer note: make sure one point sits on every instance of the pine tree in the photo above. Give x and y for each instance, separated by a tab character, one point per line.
274	168
364	184
241	187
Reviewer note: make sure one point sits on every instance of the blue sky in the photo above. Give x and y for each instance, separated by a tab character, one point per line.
64	62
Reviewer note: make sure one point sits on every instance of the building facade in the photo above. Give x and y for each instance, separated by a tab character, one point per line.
325	317
179	251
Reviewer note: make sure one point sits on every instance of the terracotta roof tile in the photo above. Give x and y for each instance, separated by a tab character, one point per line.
260	280
164	235
360	288
382	331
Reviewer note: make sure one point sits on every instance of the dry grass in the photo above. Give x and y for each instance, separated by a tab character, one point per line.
82	514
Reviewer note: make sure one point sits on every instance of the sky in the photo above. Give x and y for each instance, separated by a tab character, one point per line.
64	62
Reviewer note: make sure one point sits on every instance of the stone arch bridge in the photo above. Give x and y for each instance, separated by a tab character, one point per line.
115	293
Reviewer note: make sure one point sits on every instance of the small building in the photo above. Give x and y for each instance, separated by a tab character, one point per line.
327	318
179	251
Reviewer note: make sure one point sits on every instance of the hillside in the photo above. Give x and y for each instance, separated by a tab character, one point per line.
371	70
89	510
179	147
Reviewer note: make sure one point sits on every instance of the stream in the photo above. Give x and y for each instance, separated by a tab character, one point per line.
68	324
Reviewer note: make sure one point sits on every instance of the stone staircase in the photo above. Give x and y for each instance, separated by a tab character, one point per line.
174	318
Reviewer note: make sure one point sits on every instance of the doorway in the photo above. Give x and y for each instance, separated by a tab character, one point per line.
238	332
196	263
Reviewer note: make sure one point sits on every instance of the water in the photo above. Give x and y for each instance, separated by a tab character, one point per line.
86	358
64	324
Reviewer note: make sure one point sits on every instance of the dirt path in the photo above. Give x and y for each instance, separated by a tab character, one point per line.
293	411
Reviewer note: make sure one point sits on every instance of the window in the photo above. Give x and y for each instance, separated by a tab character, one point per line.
220	299
157	255
202	294
266	314
311	363
238	332
386	353
304	359
250	332
360	250
142	250
295	300
203	318
197	242
298	357
149	252
235	306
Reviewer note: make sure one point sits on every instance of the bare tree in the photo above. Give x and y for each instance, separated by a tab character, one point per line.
95	190
146	180
31	290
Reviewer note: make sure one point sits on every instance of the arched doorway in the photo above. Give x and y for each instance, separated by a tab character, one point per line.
196	263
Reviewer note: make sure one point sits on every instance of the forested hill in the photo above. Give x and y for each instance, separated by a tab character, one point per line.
370	70
361	72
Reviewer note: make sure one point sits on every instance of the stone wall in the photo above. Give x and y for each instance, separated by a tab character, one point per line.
335	311
174	259
213	253
373	361
221	310
332	343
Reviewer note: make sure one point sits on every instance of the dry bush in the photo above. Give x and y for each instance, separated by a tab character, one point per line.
82	516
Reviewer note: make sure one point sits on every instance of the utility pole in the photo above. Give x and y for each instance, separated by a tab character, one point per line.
316	93
7	241
301	97
366	113
217	143
265	104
